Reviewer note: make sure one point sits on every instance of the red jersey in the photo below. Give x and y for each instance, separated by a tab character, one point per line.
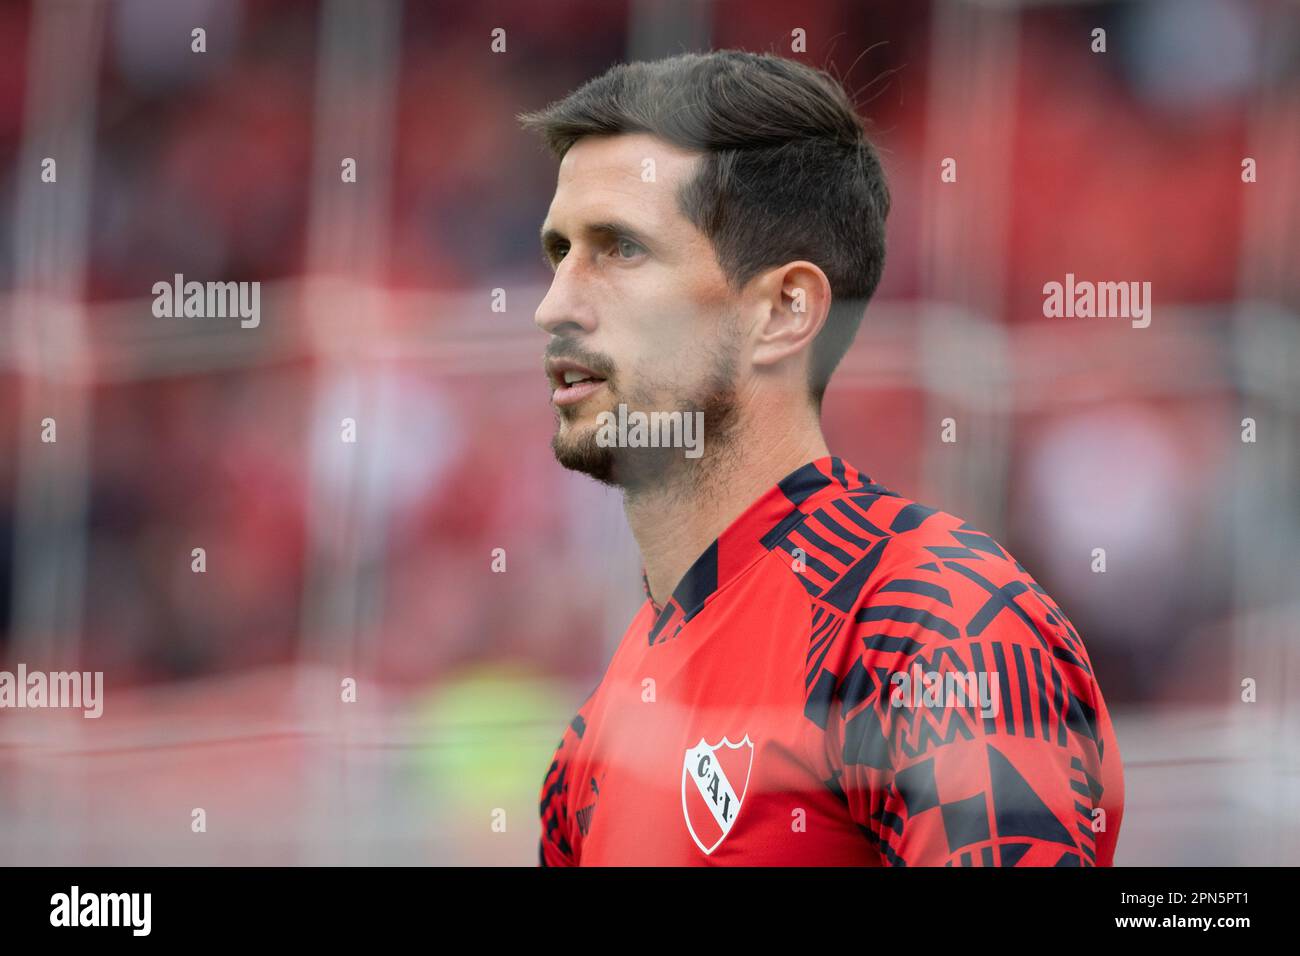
843	677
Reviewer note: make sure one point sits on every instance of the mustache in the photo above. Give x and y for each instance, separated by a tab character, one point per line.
568	349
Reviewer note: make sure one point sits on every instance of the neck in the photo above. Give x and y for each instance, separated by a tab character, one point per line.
676	520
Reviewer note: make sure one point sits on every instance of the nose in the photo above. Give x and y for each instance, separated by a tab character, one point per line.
566	308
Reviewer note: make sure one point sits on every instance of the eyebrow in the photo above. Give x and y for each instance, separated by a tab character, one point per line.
616	228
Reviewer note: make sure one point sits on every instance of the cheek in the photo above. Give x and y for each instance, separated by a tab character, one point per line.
679	311
673	327
663	375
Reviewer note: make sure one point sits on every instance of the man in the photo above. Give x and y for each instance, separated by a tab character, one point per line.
823	672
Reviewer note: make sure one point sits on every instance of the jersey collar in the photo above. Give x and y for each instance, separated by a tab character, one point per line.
758	529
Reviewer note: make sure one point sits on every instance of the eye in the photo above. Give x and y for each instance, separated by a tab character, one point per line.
628	248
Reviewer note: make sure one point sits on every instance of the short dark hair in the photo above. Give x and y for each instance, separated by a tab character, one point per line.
788	172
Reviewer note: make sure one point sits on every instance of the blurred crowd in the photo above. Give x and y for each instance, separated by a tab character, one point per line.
1118	166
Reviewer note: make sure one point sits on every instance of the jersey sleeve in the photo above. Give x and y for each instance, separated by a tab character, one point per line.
555	847
988	750
558	845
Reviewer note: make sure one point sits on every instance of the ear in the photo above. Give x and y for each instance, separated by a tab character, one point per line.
792	302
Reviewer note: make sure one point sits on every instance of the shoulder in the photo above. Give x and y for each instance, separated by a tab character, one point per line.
862	544
889	578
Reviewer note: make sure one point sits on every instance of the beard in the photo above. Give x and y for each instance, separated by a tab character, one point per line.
638	469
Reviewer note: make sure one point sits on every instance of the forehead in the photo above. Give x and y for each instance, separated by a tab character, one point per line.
627	175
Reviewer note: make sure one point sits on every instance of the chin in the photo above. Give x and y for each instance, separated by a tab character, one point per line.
577	450
631	470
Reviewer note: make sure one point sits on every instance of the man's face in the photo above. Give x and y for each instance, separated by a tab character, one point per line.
639	301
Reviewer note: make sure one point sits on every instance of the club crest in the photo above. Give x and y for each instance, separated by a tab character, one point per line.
715	778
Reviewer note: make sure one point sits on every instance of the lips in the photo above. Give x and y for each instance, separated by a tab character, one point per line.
572	382
577	392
